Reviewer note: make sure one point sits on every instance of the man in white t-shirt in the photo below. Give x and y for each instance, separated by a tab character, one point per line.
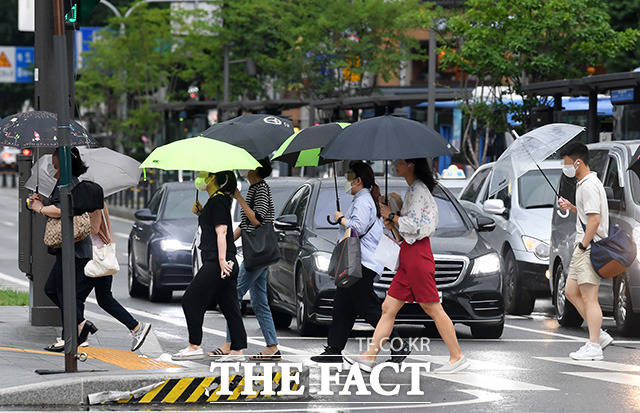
592	224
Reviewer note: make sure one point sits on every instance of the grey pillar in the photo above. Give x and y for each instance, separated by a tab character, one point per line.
593	129
431	80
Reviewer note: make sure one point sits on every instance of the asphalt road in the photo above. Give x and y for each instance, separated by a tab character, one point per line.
528	369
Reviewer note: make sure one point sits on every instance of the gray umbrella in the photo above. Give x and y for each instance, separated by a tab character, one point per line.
112	170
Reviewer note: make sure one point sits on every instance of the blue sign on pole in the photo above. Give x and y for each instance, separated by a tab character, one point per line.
84	37
25	61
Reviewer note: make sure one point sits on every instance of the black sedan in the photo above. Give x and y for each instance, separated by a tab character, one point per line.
160	242
468	271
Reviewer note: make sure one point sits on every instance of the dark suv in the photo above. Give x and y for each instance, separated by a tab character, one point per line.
467	269
620	295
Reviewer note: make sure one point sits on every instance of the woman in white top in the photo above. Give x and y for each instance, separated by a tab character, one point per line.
414	280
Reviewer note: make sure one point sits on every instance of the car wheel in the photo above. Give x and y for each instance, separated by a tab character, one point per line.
303	324
157	293
135	288
487	332
517	300
627	322
566	313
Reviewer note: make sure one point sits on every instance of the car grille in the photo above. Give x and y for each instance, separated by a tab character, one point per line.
450	270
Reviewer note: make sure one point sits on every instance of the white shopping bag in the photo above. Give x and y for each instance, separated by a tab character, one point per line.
387	253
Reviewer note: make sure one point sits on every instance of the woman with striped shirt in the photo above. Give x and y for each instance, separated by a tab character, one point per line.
257	210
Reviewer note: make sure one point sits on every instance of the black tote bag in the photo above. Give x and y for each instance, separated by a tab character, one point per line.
260	247
345	265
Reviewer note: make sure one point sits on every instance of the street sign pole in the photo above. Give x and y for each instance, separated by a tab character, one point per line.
68	249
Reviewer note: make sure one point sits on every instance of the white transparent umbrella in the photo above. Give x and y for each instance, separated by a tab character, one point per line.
527	151
112	170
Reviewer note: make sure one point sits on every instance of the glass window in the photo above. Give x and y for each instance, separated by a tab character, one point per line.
598	161
291	205
471	191
154	204
302	205
534	190
611	178
180	203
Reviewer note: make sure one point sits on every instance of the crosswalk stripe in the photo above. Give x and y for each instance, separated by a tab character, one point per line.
488	382
476	365
603	365
619	378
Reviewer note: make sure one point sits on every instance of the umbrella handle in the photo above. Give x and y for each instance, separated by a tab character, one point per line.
330	221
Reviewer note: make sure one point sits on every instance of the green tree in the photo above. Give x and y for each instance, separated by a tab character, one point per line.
624	15
509	43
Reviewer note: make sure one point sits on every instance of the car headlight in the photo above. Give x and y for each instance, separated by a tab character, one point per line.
321	261
174	245
486	264
539	248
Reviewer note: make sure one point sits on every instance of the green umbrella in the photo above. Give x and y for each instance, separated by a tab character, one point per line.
303	147
199	154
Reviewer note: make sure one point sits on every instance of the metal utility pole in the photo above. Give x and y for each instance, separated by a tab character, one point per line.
226	74
431	80
68	247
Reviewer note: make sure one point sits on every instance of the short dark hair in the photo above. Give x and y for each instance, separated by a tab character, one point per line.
78	167
575	151
264	170
227	182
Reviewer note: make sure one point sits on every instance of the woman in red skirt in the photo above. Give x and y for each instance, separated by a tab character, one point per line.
415	279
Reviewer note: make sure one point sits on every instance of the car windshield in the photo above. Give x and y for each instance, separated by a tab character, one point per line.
180	202
534	190
448	216
280	195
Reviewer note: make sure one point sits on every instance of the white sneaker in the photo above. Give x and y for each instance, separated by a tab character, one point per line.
186	354
450	368
364	364
605	339
590	351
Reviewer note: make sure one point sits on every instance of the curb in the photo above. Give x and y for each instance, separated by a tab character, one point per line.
76	390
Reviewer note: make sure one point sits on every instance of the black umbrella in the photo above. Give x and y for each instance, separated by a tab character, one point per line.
259	135
39	129
386	137
635	163
303	148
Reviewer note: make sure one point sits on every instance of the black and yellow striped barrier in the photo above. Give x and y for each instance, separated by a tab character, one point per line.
201	390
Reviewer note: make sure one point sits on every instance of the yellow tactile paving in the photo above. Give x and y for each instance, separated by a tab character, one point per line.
125	359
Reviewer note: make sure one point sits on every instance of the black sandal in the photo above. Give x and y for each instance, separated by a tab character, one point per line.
88	327
217	353
56	347
277	356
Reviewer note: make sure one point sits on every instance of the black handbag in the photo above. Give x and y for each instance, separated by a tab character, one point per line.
260	247
346	261
86	196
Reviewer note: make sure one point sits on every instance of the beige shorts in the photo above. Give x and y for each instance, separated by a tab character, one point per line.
581	268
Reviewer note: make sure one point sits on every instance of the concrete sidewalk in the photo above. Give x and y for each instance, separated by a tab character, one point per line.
110	367
110	364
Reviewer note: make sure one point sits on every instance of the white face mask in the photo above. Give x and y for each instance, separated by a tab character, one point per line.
569	170
347	187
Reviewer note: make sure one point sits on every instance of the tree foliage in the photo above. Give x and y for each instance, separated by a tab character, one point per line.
510	43
300	48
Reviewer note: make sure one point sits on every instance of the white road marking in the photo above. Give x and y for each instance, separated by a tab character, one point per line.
548	333
603	365
9	223
620	378
479	365
121	234
488	382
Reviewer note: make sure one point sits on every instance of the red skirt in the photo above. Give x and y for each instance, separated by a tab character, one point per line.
415	279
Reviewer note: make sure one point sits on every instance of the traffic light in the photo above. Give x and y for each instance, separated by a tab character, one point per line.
77	11
26	152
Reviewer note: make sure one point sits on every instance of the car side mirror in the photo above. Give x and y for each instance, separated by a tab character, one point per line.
145	215
494	207
485	224
286	222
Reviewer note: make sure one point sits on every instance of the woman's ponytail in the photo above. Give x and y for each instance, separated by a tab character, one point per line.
365	173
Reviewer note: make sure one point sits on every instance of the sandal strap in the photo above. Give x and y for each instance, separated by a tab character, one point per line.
217	352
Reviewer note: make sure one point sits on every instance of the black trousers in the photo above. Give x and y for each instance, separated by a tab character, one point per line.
349	303
208	288
53	286
108	303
